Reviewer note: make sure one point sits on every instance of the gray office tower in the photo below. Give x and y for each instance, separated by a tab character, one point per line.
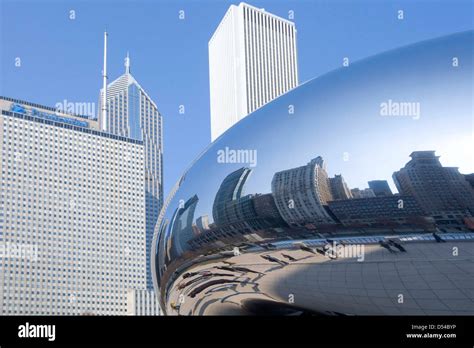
133	114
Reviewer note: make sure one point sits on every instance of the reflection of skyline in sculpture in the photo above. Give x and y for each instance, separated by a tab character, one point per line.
237	216
301	193
305	201
442	192
380	187
428	192
339	188
202	223
364	193
383	212
183	224
245	222
230	194
338	114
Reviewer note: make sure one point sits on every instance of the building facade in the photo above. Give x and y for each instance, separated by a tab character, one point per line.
72	214
339	188
442	192
252	60
470	179
184	218
380	188
133	114
302	193
230	193
142	302
377	210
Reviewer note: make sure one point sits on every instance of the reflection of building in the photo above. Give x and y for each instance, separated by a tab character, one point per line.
442	192
320	285
240	209
339	188
183	224
377	210
238	218
72	202
301	193
252	60
226	207
266	208
202	223
133	114
470	179
365	193
380	188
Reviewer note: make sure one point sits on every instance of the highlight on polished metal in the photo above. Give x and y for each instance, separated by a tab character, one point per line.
349	195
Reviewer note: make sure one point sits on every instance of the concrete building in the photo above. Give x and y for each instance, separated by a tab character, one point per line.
252	60
133	114
72	214
302	193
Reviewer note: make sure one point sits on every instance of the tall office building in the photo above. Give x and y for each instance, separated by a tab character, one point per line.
72	214
252	60
302	193
439	190
132	113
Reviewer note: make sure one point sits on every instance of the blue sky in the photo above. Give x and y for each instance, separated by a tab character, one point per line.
62	58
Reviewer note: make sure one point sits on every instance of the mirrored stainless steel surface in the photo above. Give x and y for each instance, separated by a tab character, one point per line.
277	216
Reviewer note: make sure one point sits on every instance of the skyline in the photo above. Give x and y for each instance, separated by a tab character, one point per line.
398	257
350	121
233	204
80	43
308	158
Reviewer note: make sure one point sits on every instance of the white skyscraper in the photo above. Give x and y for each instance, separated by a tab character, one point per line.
72	214
252	60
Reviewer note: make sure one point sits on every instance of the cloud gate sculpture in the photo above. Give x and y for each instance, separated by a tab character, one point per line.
352	194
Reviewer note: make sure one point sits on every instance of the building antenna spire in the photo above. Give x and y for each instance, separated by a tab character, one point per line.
127	64
104	81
